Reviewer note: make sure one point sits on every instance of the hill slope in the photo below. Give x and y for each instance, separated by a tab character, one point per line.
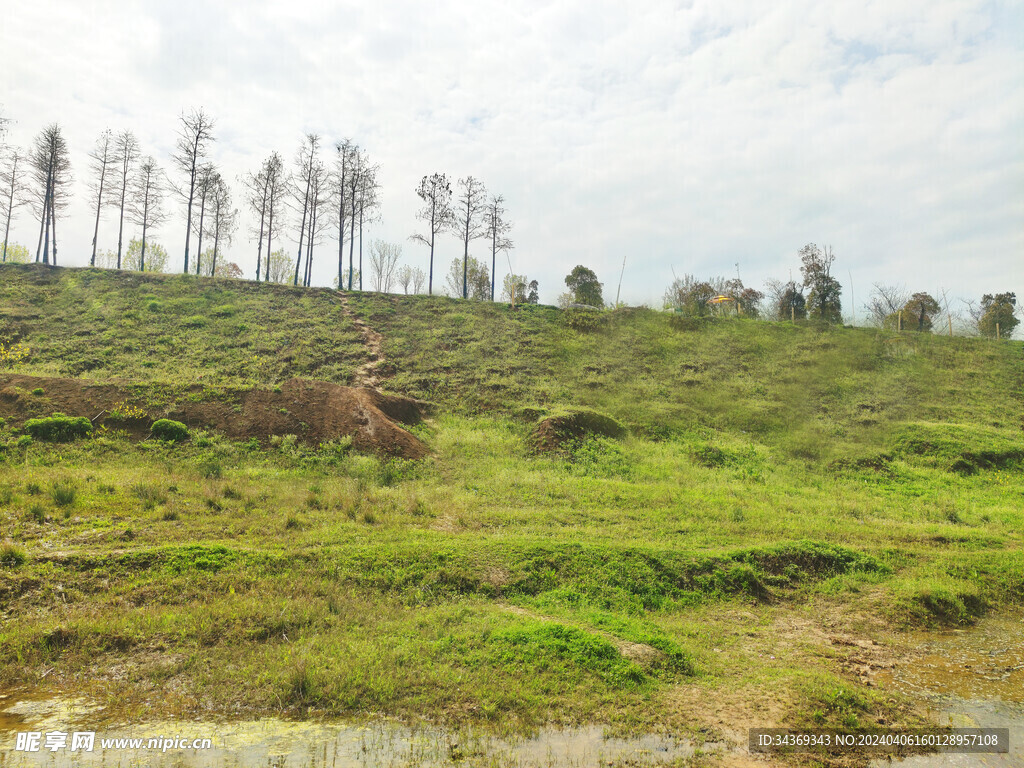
780	491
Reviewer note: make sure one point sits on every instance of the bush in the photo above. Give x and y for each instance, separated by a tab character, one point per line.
63	493
59	428
11	555
169	430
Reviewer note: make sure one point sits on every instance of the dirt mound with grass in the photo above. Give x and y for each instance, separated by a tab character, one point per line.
314	411
553	432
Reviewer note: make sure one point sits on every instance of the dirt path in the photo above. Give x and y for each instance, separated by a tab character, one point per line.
365	375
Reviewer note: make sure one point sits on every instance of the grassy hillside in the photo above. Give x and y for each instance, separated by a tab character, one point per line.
782	493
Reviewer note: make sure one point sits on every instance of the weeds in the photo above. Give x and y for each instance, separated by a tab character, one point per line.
64	492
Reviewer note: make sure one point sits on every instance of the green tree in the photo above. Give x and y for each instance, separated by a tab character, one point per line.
823	301
17	254
584	287
918	313
533	297
786	300
469	279
228	269
280	266
156	256
690	296
998	308
514	289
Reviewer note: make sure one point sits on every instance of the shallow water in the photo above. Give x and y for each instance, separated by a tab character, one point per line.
971	678
275	743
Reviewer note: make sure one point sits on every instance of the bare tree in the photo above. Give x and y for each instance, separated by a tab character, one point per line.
885	301
204	187
352	186
277	184
12	181
497	229
404	278
369	206
263	198
126	152
469	220
419	277
145	205
306	165
51	166
436	193
319	216
101	157
257	190
224	218
194	137
345	164
383	261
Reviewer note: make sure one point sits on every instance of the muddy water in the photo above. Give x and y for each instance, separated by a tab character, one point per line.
273	743
970	678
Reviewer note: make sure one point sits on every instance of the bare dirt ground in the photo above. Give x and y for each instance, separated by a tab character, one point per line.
369	373
314	411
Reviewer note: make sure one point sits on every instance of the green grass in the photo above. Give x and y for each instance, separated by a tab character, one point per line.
770	476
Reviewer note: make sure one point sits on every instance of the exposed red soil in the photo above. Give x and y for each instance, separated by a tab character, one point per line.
552	433
314	411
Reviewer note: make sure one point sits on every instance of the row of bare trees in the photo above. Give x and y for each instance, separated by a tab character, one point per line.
327	190
470	216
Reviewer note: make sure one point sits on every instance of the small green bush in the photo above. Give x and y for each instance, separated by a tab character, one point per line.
59	428
169	430
11	555
63	493
38	391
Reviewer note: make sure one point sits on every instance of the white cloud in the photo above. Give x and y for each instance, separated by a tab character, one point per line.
689	136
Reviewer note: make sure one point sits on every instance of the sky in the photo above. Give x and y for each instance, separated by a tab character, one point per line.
680	137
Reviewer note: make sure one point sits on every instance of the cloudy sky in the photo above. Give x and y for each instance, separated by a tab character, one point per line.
686	136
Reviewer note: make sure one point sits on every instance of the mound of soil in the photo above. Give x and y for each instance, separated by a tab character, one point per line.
315	411
553	432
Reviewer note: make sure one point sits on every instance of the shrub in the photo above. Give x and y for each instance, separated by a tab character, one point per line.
11	555
59	428
169	430
63	493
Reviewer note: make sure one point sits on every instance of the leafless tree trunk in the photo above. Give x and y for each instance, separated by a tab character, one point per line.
885	300
204	186
52	170
354	183
369	206
101	158
194	137
259	187
126	152
497	229
469	220
277	184
318	222
383	260
224	218
436	193
343	164
145	206
12	179
305	160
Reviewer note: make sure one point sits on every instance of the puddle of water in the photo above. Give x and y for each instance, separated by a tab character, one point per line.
274	743
971	678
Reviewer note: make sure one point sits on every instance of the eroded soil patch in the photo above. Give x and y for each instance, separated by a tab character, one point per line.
314	411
